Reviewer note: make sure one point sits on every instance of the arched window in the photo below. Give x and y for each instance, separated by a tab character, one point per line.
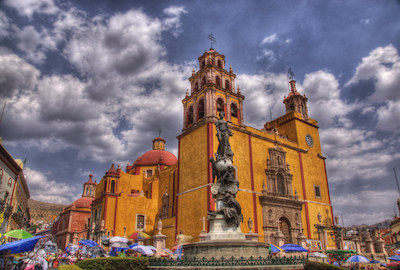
196	87
1	175
201	109
203	64
203	81
9	182
281	185
220	105
234	110
190	115
291	107
112	186
218	81
220	64
227	85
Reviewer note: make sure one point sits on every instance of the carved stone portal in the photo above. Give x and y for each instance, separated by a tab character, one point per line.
281	210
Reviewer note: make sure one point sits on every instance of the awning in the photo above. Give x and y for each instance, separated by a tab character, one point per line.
21	245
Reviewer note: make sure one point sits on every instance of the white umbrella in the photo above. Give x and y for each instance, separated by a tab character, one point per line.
119	239
317	255
143	249
119	245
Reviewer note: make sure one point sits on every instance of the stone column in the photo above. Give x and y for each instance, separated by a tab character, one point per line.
381	246
369	244
203	232
159	243
279	238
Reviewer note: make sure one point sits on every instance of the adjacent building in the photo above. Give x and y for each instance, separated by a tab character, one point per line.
72	224
14	193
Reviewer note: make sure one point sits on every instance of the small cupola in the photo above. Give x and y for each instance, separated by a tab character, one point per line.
158	144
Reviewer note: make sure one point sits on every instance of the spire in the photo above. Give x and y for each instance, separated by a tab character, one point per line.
112	171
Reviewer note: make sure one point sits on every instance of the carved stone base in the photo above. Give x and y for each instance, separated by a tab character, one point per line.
219	230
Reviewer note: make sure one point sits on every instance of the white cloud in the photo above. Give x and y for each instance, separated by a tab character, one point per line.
4	24
324	102
45	190
389	116
270	39
30	7
173	22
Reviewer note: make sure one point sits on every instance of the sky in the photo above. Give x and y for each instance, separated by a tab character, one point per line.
90	83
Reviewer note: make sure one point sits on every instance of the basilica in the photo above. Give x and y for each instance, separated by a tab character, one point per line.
283	185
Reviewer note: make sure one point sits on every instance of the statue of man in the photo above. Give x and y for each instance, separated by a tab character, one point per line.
223	133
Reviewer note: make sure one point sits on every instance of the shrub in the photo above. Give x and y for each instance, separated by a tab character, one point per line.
69	267
311	265
114	263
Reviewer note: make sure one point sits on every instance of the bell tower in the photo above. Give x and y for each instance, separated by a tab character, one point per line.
89	188
212	89
296	102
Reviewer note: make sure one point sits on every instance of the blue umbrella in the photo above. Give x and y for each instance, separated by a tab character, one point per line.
358	258
89	243
293	248
395	258
274	249
21	245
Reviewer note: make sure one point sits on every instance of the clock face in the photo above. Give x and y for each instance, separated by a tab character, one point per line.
309	140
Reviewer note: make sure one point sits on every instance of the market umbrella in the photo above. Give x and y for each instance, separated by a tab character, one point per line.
358	258
317	255
139	235
274	249
119	245
118	239
374	261
145	250
293	248
394	258
89	243
96	251
21	245
20	234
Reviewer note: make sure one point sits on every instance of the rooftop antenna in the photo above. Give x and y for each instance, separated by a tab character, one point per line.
212	39
397	181
341	214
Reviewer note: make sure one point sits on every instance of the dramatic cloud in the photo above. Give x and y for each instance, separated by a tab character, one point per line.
45	190
16	75
173	22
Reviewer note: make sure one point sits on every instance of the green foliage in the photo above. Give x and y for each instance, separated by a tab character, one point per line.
69	267
114	263
310	265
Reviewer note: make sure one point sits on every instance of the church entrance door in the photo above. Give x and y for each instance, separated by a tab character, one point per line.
285	229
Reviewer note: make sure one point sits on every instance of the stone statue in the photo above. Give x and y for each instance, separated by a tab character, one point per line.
223	134
231	211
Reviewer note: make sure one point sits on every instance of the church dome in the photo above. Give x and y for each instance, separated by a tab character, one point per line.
154	157
83	202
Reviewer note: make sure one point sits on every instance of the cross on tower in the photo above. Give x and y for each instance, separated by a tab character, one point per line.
212	39
290	74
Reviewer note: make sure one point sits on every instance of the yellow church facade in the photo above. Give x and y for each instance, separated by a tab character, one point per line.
280	168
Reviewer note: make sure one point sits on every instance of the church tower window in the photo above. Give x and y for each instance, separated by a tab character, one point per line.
203	64
220	64
234	110
201	109
149	173
220	105
203	81
317	192
218	81
112	189
227	85
190	115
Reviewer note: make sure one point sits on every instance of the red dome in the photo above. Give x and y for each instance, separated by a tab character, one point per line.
154	157
83	202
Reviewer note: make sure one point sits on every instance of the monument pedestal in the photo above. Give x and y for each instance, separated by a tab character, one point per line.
220	230
226	241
